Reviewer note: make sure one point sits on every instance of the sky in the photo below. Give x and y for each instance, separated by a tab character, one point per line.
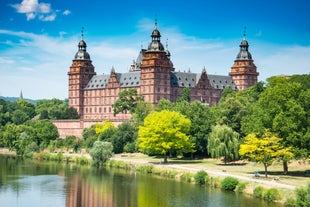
38	38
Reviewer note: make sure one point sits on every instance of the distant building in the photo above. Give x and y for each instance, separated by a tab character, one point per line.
152	75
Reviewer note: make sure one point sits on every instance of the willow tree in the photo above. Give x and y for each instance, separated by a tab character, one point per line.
165	132
265	149
223	142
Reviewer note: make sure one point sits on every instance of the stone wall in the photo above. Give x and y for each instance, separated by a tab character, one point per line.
75	127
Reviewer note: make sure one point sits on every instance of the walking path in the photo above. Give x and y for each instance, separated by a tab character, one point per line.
211	172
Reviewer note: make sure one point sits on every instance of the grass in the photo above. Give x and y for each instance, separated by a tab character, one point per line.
296	176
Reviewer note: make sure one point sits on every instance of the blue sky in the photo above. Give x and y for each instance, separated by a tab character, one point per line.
38	38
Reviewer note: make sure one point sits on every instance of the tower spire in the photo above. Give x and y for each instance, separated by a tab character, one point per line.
155	21
244	33
82	33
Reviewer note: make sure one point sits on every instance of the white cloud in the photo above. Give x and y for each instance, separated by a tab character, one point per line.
33	9
66	12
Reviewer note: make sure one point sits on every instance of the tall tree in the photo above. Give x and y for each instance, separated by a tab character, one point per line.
165	132
265	149
223	141
127	101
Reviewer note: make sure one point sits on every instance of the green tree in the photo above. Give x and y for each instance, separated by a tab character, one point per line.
264	150
125	134
127	101
101	152
283	107
44	131
165	132
223	141
55	109
186	95
142	110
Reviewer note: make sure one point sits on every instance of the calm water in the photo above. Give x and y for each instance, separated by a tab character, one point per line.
29	183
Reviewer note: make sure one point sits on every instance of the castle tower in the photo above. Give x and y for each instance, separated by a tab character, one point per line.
243	71
81	71
155	71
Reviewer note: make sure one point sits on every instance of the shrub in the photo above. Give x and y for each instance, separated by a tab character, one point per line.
240	187
272	194
149	169
290	202
101	152
201	177
258	192
302	197
229	183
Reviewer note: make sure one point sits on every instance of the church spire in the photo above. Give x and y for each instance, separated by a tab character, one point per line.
21	97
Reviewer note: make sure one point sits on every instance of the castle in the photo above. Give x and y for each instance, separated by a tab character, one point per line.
153	76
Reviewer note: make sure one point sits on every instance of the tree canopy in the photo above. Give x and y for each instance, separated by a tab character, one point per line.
223	141
165	132
127	101
265	149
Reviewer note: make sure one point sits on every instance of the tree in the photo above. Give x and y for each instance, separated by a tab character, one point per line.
186	95
127	101
103	126
283	108
265	149
165	132
142	110
101	152
223	141
125	135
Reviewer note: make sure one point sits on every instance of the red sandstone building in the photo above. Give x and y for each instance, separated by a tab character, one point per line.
153	76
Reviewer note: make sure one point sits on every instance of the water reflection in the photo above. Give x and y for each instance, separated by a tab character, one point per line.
28	183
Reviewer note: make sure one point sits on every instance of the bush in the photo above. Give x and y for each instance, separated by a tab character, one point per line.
101	152
201	177
229	183
302	199
272	194
290	202
258	192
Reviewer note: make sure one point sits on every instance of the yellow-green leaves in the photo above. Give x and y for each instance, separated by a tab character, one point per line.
165	131
103	126
265	149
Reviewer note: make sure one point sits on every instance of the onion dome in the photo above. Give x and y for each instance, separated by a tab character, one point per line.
156	45
82	54
244	53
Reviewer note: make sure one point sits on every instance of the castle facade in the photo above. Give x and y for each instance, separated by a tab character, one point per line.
153	75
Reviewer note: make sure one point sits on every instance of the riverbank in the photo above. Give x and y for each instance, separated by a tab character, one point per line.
178	168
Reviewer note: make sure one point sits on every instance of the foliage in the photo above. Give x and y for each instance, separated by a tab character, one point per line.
127	101
165	132
240	187
90	136
229	183
283	108
290	202
202	117
186	92
303	196
258	192
55	109
103	126
142	110
223	141
101	152
201	177
265	149
272	194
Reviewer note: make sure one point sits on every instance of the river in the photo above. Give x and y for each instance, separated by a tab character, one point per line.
29	183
